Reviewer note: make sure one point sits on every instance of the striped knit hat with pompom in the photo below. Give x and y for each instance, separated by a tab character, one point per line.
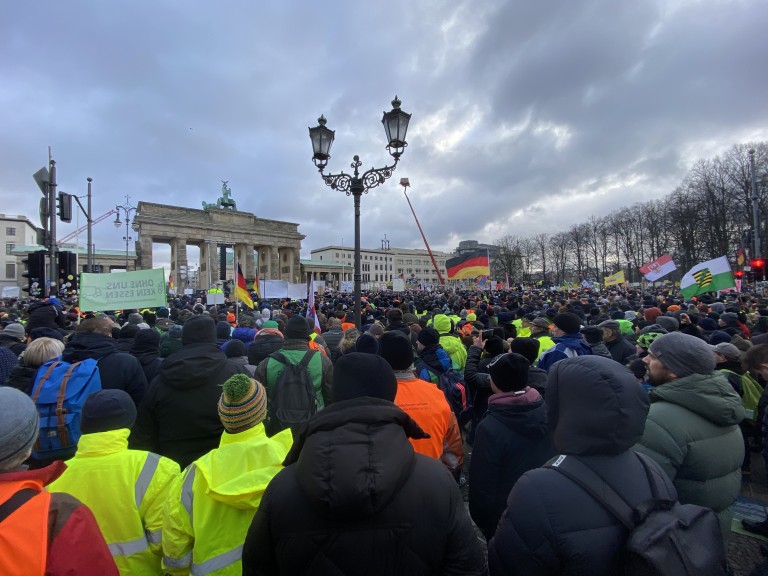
243	404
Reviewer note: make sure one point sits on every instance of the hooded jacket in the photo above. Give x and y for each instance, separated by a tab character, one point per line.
211	504
44	313
510	440
117	369
693	433
354	498
596	412
179	416
567	346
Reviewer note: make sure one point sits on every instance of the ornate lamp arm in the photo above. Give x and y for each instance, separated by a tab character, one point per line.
350	183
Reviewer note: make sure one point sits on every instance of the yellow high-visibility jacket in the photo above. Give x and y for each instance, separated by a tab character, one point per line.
126	491
210	506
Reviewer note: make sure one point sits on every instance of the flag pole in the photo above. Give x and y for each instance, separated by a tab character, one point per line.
236	271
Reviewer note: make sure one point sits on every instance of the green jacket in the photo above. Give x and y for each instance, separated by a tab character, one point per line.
692	432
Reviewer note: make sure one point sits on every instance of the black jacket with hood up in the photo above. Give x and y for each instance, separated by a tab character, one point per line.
354	498
179	416
117	369
596	411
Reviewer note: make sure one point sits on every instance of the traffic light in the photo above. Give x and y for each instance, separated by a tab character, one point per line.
757	263
738	274
65	207
67	267
35	273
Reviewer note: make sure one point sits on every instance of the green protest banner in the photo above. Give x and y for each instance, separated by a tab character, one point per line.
122	290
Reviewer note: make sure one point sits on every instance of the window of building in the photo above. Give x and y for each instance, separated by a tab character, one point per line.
9	247
10	271
10	231
337	254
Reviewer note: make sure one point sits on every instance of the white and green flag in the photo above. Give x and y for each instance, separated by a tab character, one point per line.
709	276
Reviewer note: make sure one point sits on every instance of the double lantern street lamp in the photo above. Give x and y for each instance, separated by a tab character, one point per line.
395	125
127	209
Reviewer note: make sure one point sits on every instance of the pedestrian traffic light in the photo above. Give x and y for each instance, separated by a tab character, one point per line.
35	273
738	274
757	263
67	267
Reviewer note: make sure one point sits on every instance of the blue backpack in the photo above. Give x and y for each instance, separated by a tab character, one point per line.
452	384
59	393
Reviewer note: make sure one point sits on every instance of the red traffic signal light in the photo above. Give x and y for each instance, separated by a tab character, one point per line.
757	263
738	273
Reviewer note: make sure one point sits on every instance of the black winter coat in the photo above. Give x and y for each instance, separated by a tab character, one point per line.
355	499
44	313
621	350
510	440
596	411
117	369
179	416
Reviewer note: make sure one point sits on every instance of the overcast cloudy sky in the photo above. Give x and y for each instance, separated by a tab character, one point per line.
527	116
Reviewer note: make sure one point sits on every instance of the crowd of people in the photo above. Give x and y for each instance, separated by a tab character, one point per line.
225	440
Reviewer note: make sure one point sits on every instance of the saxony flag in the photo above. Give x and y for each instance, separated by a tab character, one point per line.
709	276
614	279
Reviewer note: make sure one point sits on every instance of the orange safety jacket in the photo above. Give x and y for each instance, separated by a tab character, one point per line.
24	542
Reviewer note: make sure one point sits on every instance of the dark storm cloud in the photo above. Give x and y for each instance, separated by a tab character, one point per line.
526	116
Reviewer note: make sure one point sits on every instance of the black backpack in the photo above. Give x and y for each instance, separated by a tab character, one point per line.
452	384
665	538
292	400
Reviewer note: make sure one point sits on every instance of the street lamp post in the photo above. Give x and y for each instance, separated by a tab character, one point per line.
395	125
385	247
127	209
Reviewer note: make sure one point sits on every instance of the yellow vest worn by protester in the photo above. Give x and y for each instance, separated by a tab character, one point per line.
126	491
545	343
210	506
521	331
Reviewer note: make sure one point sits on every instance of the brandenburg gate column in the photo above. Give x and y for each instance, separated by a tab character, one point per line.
206	277
179	261
145	252
274	270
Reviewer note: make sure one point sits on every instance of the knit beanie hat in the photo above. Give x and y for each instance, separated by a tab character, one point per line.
223	330
568	322
494	346
509	371
645	340
296	328
243	403
728	350
45	332
14	330
669	323
428	337
270	324
528	347
106	410
593	334
198	330
367	344
234	348
357	374
683	354
708	324
18	424
718	336
396	349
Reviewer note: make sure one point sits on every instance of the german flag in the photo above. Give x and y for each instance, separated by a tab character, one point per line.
241	290
468	266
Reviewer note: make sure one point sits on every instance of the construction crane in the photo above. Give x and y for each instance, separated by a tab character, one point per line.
71	235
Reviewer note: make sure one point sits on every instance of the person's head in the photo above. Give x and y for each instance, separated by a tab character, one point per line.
101	326
726	352
198	329
396	349
526	347
358	374
18	427
243	403
645	340
756	360
14	331
394	315
427	337
669	323
509	372
594	406
539	326
611	330
677	355
106	410
334	323
349	340
565	323
234	349
296	328
592	334
40	351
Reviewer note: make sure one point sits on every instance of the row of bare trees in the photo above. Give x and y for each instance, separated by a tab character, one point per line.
705	217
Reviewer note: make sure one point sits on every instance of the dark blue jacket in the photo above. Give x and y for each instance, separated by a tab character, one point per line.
567	346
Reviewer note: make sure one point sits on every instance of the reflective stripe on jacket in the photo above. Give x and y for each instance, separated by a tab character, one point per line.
210	506
126	490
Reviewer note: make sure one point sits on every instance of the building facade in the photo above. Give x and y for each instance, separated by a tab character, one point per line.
379	266
15	231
